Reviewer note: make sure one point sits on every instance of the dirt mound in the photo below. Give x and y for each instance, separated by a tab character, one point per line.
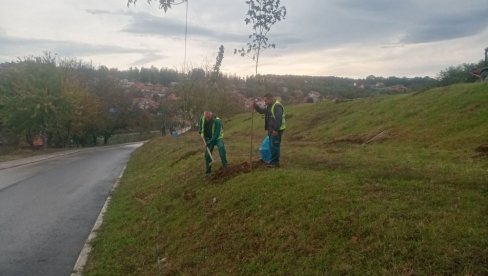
482	149
233	170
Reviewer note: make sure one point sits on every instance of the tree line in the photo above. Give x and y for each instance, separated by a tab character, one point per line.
69	102
66	102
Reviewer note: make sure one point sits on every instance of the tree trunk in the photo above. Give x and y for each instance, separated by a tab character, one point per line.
28	139
105	138
252	110
45	137
257	59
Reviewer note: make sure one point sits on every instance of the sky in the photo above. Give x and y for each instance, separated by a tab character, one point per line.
346	38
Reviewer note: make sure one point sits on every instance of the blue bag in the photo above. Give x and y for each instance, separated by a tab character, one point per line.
265	151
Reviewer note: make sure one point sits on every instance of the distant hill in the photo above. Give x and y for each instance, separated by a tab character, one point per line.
289	87
293	88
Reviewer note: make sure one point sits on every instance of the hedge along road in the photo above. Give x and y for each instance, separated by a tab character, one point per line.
48	208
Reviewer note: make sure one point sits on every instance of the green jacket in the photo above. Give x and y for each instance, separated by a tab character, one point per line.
213	132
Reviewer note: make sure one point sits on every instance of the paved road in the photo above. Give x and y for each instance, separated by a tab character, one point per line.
47	208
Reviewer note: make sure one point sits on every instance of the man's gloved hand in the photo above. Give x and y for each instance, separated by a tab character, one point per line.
208	142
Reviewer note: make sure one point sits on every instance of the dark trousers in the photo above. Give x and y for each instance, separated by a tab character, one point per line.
274	147
220	145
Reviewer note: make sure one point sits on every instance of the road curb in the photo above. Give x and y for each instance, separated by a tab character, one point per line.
85	251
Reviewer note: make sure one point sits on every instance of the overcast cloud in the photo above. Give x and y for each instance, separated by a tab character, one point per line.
334	37
9	44
147	24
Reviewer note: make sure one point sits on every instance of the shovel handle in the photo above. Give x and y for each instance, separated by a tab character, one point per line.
208	150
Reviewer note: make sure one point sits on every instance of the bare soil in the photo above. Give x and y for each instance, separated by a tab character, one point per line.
482	149
234	170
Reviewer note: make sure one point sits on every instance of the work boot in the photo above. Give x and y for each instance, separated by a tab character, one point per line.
208	168
273	165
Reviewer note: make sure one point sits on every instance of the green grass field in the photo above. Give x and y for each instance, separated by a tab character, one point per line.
388	185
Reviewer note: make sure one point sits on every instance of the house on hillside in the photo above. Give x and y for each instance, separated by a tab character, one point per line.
125	83
397	88
312	97
172	97
241	99
144	103
331	98
148	90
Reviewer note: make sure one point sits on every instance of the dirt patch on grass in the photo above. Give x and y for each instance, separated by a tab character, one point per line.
296	137
234	170
482	151
186	155
189	195
144	196
471	108
363	139
350	140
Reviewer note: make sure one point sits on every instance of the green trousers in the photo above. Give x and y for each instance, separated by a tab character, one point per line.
223	158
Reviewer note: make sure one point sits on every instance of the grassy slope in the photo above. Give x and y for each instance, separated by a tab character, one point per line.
412	201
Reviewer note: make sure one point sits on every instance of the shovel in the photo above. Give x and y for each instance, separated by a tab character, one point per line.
208	150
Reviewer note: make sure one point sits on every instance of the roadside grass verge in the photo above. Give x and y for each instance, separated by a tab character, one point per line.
410	202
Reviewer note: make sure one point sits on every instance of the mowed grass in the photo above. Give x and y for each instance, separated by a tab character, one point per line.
388	185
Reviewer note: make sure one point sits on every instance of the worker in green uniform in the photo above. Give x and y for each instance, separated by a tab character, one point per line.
210	128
